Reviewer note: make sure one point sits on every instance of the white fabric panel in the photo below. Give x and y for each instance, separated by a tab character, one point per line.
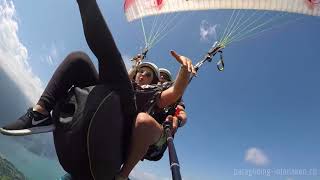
140	8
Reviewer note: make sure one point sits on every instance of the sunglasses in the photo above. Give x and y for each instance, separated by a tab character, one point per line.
145	73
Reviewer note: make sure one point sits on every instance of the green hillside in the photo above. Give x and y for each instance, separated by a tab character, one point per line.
8	171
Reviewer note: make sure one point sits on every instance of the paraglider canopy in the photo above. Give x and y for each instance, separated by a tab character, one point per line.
263	15
247	18
135	9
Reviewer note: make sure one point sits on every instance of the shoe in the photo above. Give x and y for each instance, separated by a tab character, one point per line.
30	123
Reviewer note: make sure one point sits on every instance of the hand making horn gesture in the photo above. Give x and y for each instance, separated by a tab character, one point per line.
185	62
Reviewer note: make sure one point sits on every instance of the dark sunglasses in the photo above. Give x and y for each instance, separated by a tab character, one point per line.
144	72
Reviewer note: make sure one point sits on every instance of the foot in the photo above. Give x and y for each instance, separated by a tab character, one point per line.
30	123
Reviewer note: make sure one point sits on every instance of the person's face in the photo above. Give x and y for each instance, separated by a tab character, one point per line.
144	76
164	77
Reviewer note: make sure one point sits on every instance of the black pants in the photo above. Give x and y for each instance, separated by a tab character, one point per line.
77	68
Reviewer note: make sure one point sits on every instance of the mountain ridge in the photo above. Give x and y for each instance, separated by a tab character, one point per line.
8	171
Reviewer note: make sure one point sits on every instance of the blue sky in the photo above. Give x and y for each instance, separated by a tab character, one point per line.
262	112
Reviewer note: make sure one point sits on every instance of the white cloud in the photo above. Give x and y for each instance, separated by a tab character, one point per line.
139	175
256	157
207	31
14	55
143	175
51	54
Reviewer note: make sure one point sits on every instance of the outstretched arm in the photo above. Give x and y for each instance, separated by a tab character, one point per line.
172	94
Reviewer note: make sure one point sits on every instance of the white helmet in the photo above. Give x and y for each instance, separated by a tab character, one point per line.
152	66
167	72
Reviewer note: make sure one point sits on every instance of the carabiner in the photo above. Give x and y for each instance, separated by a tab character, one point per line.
220	63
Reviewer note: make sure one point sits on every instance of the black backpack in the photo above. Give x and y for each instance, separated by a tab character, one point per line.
90	133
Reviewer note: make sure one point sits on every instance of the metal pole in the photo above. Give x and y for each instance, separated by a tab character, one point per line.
173	158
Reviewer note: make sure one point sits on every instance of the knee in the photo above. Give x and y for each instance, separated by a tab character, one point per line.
147	127
145	121
79	58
